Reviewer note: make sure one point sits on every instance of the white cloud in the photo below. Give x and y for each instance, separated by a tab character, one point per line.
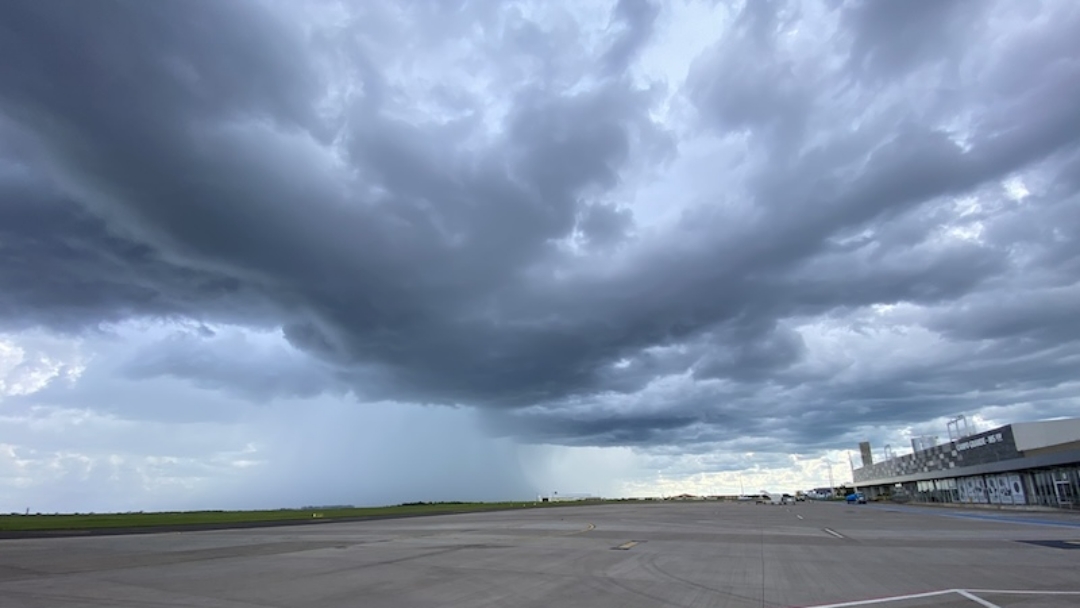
1016	189
30	362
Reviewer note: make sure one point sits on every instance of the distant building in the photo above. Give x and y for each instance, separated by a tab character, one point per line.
567	497
1025	463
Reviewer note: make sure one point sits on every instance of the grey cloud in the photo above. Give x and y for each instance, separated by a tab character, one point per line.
64	267
179	162
751	354
433	228
604	431
734	87
234	363
890	39
191	61
636	17
1045	315
604	224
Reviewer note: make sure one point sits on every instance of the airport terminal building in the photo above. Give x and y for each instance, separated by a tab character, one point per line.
1026	463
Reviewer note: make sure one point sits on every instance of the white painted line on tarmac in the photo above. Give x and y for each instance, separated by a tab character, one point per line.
978	600
799	516
883	600
966	593
1022	592
833	532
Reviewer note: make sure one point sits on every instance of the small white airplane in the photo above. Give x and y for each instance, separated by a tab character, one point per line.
774	498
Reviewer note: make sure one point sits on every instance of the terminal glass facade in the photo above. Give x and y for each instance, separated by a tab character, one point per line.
1057	487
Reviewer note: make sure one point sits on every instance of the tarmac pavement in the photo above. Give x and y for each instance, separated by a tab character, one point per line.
692	554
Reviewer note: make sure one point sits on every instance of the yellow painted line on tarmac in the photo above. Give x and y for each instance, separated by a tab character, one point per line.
582	531
626	546
555	534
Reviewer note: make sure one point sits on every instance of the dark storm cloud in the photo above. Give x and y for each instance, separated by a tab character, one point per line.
610	430
201	161
63	268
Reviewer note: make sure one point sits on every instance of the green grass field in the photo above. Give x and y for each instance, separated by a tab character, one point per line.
15	523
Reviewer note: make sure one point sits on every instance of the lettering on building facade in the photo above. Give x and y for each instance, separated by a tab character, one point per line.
979	442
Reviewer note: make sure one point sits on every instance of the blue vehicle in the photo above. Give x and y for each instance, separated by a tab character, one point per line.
857	497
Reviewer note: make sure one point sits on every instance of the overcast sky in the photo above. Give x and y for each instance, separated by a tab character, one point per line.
262	254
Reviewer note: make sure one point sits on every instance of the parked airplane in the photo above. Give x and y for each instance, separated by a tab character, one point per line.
770	498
